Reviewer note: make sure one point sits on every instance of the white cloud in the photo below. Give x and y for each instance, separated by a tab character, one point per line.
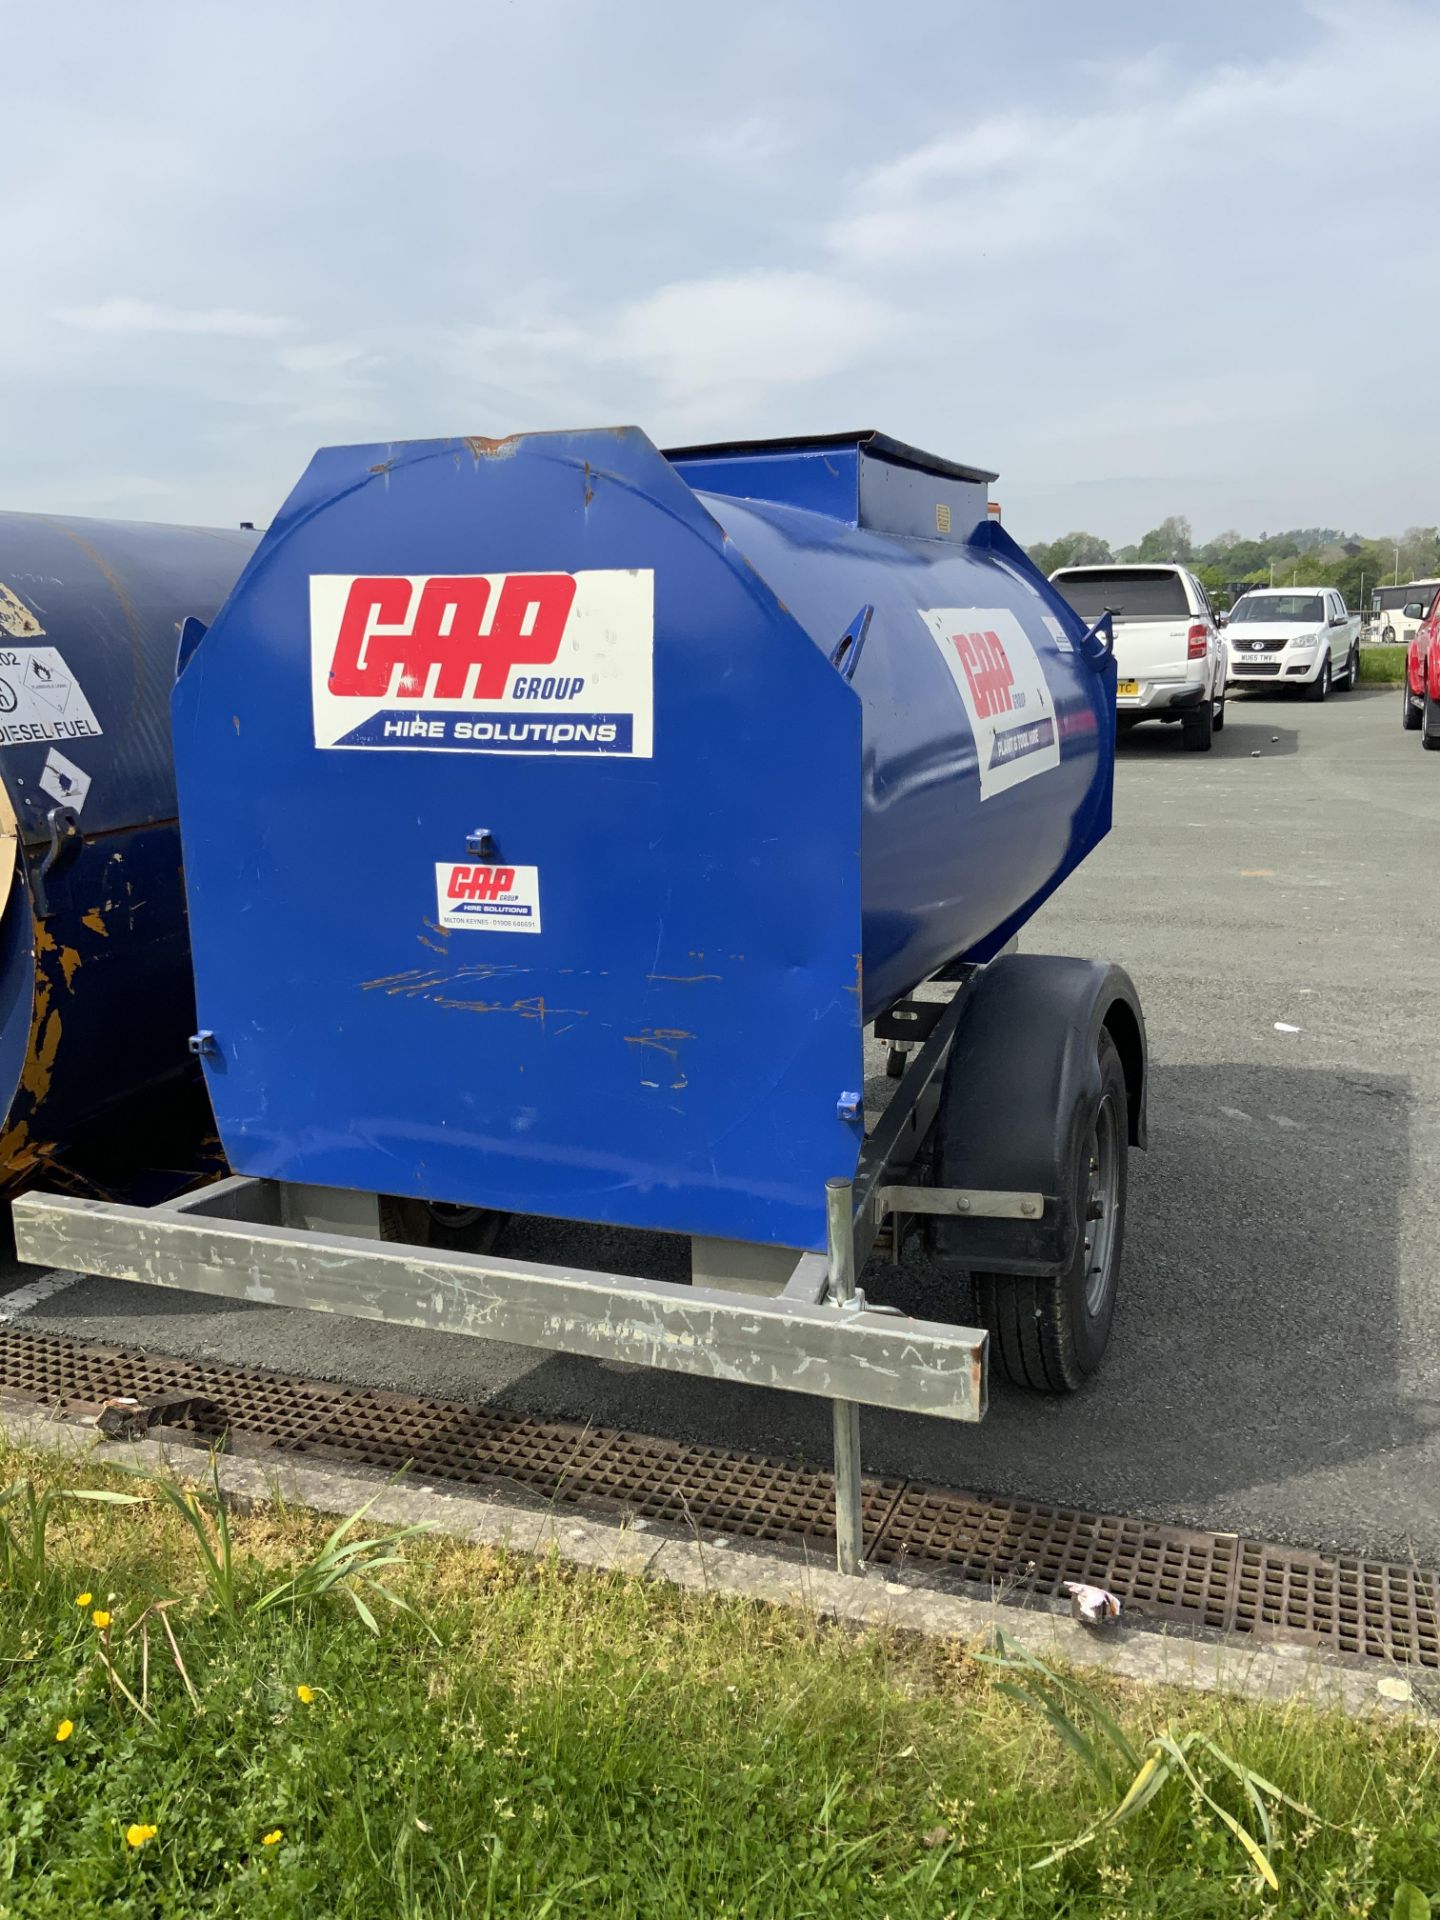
726	339
694	356
123	315
751	144
1158	158
335	357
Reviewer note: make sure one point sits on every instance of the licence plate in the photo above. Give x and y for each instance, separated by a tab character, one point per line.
1127	689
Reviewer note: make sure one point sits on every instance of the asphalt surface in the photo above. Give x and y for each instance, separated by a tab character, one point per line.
1275	1361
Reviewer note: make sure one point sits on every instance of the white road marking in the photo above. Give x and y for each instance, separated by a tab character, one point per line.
12	1305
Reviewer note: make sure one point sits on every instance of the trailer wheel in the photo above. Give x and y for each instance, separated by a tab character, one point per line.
1049	1332
434	1223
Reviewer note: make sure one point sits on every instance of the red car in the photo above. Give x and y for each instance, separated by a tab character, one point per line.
1420	695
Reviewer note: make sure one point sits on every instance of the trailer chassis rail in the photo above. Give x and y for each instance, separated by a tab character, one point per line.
319	1250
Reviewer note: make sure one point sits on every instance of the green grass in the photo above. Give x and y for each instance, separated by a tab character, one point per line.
1382	666
532	1741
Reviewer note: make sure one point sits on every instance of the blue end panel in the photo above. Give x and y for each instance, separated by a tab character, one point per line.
668	1049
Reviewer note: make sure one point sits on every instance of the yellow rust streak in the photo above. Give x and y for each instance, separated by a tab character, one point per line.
535	1009
660	1038
70	963
95	921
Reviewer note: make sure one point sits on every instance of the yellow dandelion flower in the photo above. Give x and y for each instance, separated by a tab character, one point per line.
305	1695
136	1836
100	1618
65	1729
273	1839
83	1599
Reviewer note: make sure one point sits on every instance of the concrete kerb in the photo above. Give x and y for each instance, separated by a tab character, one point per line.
1261	1670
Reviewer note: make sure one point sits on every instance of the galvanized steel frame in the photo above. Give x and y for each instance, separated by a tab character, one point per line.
818	1336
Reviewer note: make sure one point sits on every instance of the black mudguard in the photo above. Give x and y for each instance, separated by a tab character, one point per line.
1020	1084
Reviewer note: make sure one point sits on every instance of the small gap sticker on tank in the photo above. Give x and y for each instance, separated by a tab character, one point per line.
1057	633
40	699
485	897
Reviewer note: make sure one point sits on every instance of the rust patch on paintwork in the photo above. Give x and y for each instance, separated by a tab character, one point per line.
484	449
70	963
859	987
433	945
662	1039
424	979
16	619
589	490
95	921
235	721
536	1009
382	466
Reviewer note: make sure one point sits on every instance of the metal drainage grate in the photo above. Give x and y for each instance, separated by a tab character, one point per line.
1348	1606
1167	1571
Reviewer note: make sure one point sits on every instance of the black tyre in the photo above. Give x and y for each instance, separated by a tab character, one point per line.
1050	1333
1412	711
1219	726
1352	668
434	1223
1319	687
1430	725
1198	728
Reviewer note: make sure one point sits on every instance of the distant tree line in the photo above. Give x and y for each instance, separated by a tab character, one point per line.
1228	564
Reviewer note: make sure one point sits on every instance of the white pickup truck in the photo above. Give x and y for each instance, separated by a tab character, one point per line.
1296	636
1169	651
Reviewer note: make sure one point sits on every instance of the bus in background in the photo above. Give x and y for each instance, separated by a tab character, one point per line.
1388	604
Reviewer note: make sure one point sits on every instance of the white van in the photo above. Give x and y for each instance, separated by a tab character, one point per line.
1169	652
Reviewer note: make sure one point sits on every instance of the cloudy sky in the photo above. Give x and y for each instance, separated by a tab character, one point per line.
1142	259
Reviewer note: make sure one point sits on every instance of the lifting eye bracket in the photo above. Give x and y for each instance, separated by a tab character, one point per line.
845	655
65	843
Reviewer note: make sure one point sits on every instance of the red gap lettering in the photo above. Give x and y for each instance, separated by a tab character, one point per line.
378	633
991	677
480	883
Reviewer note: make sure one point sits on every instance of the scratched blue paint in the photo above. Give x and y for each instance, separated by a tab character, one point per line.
717	920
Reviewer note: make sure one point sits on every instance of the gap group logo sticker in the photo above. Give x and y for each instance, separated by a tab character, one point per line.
543	663
1000	680
486	897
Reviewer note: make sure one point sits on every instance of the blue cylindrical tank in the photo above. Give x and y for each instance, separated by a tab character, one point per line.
96	1003
595	799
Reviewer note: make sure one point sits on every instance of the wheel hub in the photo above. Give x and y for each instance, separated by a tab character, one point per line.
1102	1201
